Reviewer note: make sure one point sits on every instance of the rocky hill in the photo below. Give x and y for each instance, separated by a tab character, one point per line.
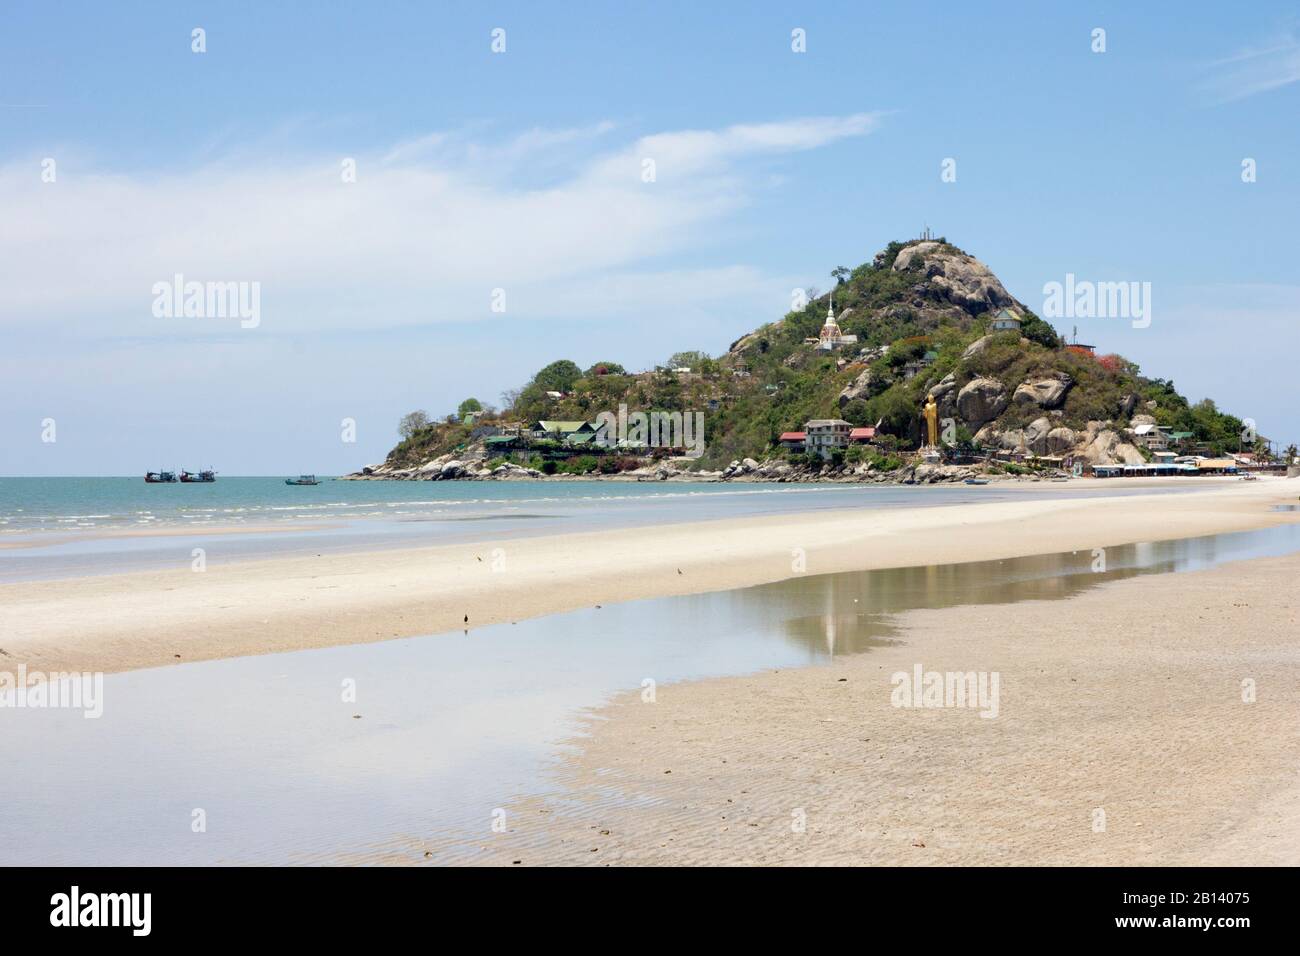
922	313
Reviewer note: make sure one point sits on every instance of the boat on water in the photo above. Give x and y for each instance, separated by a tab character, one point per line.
202	477
302	480
977	481
159	477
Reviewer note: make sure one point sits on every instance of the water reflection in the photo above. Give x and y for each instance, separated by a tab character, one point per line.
447	725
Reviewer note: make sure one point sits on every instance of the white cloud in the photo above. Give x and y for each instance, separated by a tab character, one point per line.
1254	70
558	218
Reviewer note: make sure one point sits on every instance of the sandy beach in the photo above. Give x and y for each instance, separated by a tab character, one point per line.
126	621
1123	737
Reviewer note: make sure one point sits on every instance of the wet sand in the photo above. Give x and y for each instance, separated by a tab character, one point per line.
127	621
1125	735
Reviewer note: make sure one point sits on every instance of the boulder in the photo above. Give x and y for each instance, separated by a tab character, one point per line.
1060	440
954	276
945	395
981	400
1045	393
1036	435
976	347
1106	448
452	469
1013	439
860	387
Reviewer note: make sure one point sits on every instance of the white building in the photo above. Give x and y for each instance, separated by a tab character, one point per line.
831	337
826	434
1153	436
1005	321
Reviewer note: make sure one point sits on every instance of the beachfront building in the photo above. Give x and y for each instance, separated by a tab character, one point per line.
559	431
861	436
793	441
826	434
1004	320
1152	436
831	337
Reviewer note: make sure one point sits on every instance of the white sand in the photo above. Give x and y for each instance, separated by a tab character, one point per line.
126	621
1122	738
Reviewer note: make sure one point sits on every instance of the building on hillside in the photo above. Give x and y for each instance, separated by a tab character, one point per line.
826	434
1004	320
917	366
793	441
500	444
1152	436
559	431
831	336
861	436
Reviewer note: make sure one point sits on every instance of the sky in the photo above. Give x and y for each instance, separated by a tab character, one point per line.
423	217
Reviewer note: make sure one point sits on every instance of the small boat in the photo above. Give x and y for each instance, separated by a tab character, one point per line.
977	481
202	477
302	480
159	477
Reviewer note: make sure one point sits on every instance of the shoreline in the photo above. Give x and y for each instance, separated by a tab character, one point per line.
128	621
28	538
1168	741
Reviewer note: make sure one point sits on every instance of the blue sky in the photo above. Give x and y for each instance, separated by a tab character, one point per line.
521	171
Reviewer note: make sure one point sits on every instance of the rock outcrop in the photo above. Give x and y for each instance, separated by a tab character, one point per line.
1045	393
963	280
860	387
981	400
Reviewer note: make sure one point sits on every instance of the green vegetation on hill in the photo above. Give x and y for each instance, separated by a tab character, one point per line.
772	380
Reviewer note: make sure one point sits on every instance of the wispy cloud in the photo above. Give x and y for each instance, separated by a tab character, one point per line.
1259	69
427	231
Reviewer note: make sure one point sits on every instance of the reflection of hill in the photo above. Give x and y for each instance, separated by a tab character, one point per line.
851	612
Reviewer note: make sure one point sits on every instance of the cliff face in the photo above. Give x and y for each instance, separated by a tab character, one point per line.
923	314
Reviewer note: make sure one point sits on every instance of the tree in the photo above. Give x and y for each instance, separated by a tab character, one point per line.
606	368
412	422
1036	330
559	376
687	359
840	274
468	407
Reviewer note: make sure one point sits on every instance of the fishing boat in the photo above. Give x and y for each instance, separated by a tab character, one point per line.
202	477
977	481
159	477
302	480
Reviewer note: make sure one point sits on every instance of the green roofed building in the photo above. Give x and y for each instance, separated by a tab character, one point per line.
560	430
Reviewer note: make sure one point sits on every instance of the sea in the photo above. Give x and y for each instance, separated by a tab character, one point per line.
71	527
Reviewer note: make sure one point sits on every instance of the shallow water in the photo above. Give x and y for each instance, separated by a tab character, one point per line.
70	527
451	726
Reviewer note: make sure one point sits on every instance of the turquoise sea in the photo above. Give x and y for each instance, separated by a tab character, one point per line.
53	527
